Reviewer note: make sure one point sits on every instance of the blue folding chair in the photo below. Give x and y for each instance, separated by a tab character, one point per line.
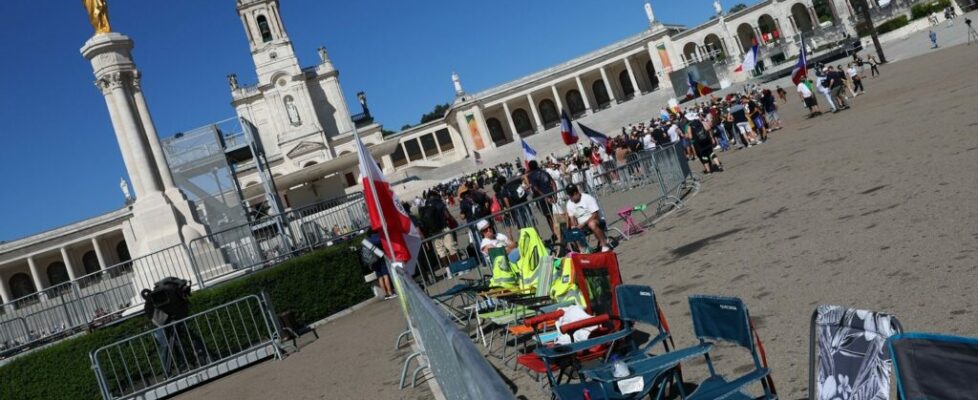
465	291
934	366
637	304
726	319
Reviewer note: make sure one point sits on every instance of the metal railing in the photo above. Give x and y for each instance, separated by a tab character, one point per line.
273	239
187	352
66	308
457	365
663	175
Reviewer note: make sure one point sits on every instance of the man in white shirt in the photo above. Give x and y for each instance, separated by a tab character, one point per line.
491	239
809	98
674	133
648	143
584	214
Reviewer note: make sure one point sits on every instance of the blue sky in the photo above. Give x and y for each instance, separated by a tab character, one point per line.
59	157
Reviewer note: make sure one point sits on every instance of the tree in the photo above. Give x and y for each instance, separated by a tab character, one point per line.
437	113
405	127
737	7
387	132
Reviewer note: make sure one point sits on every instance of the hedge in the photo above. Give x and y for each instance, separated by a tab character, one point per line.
919	11
888	26
314	286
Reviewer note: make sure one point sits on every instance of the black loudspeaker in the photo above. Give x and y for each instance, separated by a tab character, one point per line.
168	301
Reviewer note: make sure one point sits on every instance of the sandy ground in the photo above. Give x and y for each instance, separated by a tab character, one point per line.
873	208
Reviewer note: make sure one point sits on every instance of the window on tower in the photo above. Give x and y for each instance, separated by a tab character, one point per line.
266	33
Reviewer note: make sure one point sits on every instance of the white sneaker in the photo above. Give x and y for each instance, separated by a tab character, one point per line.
605	249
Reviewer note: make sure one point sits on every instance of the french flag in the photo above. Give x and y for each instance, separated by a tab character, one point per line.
597	137
567	129
528	153
750	60
801	69
400	238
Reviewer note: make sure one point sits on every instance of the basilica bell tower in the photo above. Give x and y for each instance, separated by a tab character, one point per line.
271	49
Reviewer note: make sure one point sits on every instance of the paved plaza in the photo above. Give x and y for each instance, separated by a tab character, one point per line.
870	208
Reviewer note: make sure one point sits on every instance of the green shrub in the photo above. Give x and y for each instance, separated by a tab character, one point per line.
314	286
885	27
924	9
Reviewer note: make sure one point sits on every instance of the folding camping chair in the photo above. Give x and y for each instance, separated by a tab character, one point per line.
597	276
848	344
726	319
464	291
935	366
647	372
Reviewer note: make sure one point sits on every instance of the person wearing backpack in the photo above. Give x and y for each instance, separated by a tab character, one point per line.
703	144
436	220
542	184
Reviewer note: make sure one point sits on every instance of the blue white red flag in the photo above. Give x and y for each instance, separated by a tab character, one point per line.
567	129
597	137
528	153
801	68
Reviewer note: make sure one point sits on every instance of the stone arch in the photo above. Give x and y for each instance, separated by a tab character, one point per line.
57	273
122	251
802	18
714	45
263	28
601	97
21	285
627	90
575	103
522	121
768	28
823	11
650	71
746	36
689	52
548	112
90	262
496	132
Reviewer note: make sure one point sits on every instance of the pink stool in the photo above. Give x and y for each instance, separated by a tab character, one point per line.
631	228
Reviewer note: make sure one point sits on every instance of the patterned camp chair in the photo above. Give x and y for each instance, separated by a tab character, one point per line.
847	357
933	366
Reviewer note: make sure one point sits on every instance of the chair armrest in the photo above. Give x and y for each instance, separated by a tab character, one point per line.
537	320
584	323
568	349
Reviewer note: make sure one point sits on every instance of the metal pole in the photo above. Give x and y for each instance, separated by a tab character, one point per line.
868	19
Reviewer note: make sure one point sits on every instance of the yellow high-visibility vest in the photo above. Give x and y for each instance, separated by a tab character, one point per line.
564	288
532	252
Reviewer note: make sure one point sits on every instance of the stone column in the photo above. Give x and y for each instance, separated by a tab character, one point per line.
560	104
145	167
607	87
36	274
67	260
536	114
580	88
166	177
631	77
509	118
98	254
814	17
5	290
124	146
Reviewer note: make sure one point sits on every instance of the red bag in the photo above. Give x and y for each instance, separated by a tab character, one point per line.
495	208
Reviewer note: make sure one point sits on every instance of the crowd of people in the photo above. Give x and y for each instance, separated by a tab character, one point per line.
556	184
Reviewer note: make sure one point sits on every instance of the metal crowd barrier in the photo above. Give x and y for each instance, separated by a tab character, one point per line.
91	299
273	239
187	352
456	364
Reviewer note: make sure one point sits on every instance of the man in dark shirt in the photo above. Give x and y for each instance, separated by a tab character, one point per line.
542	184
836	84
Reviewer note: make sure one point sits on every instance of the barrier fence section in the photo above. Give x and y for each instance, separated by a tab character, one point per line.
273	239
195	349
663	174
98	297
457	365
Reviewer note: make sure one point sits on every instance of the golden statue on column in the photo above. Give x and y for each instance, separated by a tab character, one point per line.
98	15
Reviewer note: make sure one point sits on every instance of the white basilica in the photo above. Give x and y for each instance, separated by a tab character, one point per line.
306	127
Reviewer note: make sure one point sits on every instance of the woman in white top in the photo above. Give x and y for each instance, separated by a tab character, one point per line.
491	239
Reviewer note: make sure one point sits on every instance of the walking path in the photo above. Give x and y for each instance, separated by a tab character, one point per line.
871	208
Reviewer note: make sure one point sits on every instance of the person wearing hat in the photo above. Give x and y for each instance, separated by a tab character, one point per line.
491	239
